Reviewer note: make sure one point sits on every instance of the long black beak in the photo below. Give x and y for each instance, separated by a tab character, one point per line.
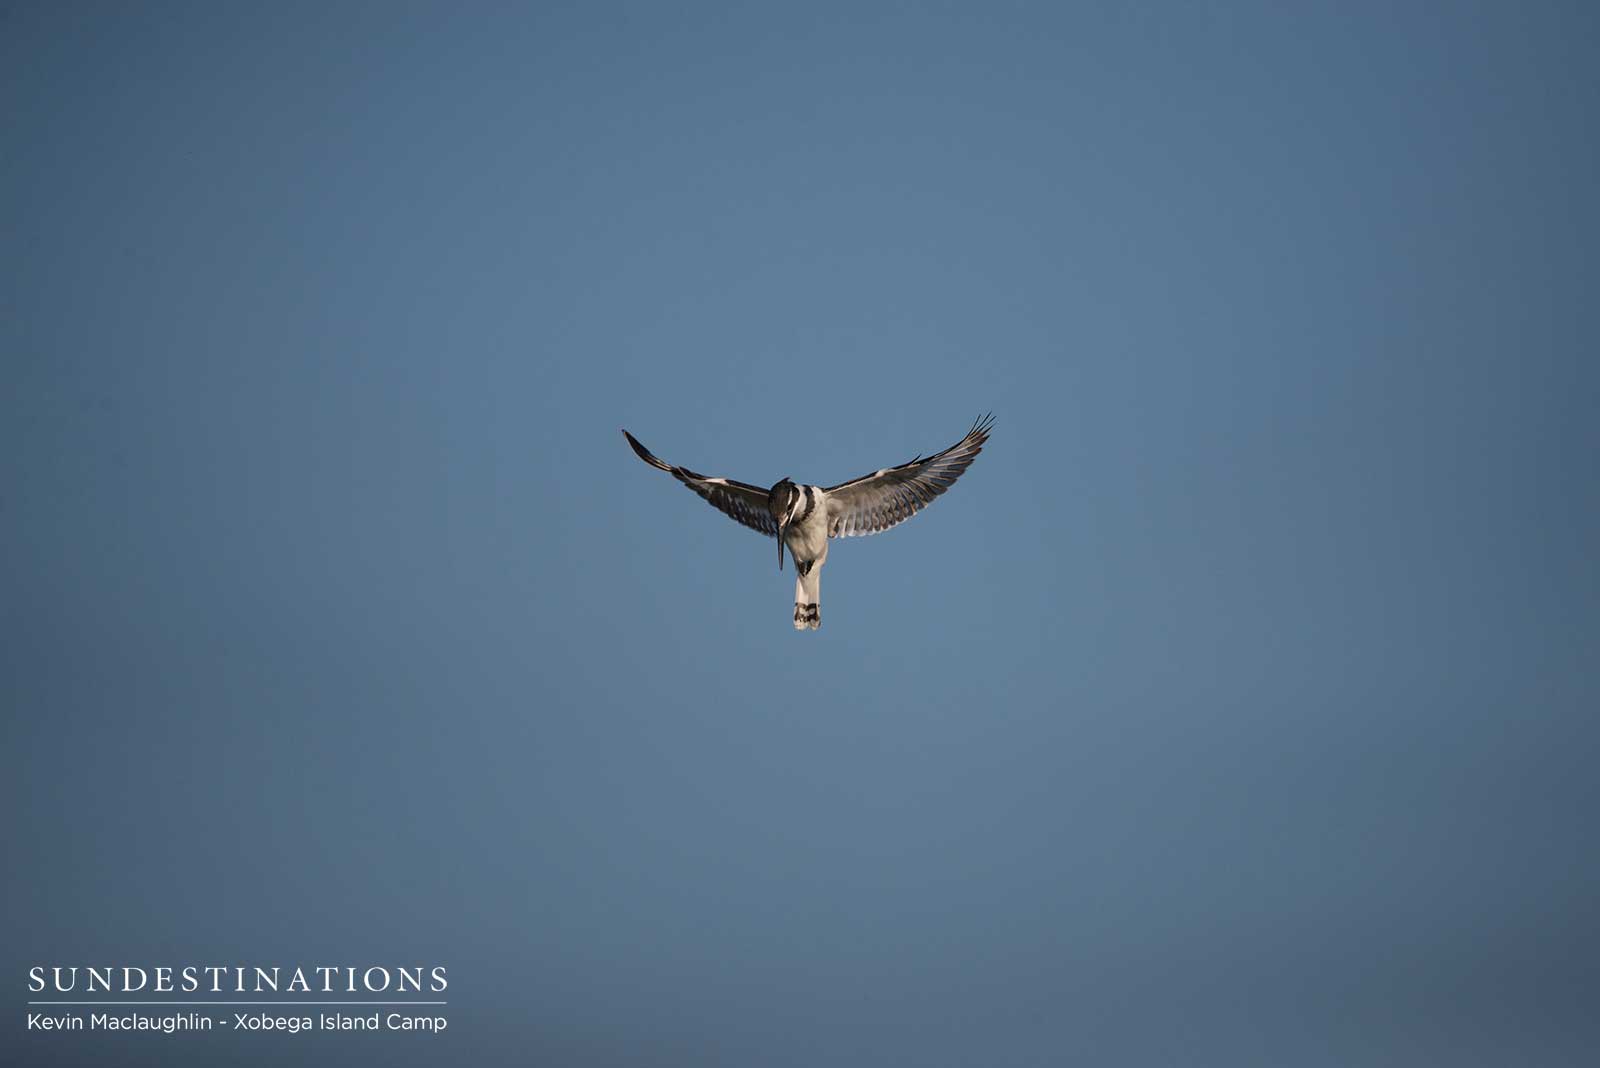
781	528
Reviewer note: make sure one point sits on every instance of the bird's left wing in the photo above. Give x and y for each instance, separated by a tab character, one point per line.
873	503
737	500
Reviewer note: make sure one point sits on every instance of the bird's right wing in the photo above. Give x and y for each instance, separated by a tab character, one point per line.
739	501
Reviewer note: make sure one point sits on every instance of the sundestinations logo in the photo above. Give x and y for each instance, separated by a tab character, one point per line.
236	979
75	997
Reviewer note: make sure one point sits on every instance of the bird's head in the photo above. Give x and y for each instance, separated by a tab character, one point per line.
782	500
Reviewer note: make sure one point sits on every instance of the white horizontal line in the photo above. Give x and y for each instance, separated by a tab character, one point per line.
238	1003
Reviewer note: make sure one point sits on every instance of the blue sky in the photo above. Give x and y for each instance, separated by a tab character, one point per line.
1235	708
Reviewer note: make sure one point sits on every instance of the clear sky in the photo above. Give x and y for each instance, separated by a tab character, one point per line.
1237	707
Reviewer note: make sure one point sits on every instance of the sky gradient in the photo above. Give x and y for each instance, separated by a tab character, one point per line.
1237	707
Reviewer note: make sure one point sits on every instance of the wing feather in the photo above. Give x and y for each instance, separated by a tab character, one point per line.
739	501
873	503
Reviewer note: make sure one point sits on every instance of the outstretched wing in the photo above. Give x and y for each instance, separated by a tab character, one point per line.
737	500
874	503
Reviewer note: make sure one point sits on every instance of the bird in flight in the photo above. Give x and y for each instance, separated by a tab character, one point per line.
805	517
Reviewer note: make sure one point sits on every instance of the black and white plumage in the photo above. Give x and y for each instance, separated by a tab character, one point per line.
804	517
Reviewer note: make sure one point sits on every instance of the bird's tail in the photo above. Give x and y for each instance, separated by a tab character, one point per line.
807	595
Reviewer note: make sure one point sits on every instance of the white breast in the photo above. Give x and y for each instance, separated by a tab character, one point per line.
808	539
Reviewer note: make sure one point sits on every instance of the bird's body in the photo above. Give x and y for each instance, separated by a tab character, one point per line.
806	535
803	518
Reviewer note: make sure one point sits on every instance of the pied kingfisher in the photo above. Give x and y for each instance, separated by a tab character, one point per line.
805	517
